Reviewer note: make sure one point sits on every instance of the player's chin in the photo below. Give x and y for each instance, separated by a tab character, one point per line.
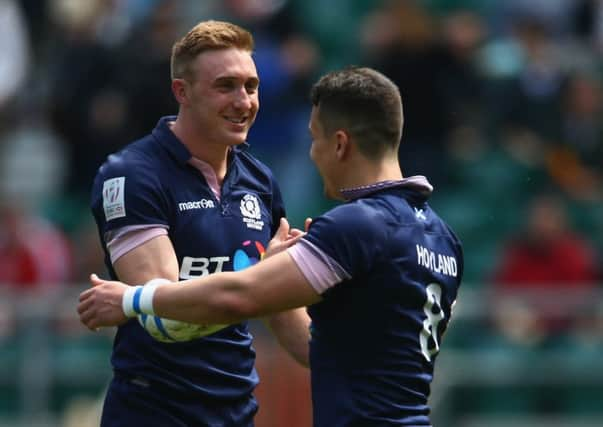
236	139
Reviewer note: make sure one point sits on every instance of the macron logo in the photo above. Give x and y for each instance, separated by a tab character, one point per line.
198	204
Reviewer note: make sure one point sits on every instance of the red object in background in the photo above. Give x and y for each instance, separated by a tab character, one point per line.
545	275
33	252
566	262
17	266
284	390
548	252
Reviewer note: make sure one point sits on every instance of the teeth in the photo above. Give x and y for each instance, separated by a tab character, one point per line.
237	120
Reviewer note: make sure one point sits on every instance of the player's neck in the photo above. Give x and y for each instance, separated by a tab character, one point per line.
367	173
215	155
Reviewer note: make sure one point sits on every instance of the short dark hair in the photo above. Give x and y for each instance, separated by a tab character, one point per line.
365	103
207	35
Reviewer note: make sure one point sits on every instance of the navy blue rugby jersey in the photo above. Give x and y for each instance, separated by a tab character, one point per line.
150	182
375	336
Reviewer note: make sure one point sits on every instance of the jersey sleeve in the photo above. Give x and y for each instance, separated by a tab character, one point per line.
352	235
127	194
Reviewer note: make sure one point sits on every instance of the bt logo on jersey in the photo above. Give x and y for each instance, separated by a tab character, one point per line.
249	254
201	266
242	258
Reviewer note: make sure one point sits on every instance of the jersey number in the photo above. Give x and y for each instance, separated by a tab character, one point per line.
429	338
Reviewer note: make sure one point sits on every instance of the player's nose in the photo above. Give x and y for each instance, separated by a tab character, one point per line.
243	100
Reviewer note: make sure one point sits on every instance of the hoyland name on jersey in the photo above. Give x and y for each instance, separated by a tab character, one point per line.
439	263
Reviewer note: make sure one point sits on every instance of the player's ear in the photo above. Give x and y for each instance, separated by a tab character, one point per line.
179	91
342	144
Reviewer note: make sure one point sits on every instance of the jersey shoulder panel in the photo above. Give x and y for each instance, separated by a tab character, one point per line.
143	152
360	217
353	234
128	187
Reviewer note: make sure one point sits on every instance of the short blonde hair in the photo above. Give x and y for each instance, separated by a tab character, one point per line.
207	35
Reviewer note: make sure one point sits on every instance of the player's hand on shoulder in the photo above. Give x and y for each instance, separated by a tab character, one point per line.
101	305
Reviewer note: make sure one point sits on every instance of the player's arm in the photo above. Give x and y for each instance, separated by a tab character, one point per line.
151	259
268	287
291	328
154	258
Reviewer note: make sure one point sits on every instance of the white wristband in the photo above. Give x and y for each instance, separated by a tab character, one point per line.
139	299
127	301
146	297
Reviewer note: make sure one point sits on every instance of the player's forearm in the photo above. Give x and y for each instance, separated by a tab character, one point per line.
292	330
269	287
218	298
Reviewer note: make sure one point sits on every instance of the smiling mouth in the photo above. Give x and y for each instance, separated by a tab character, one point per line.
237	120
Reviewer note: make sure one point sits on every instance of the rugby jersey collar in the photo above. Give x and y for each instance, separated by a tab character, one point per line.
417	183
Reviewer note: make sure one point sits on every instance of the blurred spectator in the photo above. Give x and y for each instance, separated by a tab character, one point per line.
146	96
547	253
433	63
32	163
33	253
531	98
587	23
336	29
35	15
402	40
583	19
575	164
554	14
463	34
14	45
88	106
547	270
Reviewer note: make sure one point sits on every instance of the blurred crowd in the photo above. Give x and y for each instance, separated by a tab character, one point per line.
502	99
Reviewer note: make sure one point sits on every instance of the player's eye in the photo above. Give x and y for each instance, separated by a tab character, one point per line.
225	86
251	88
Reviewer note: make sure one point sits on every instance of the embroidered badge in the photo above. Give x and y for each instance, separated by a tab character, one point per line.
113	198
250	209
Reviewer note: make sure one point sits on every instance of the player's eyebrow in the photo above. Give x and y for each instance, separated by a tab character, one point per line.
251	81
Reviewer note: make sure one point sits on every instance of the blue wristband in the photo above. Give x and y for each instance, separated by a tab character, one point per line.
139	299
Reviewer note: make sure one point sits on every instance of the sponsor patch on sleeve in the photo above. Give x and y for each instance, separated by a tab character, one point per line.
113	198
